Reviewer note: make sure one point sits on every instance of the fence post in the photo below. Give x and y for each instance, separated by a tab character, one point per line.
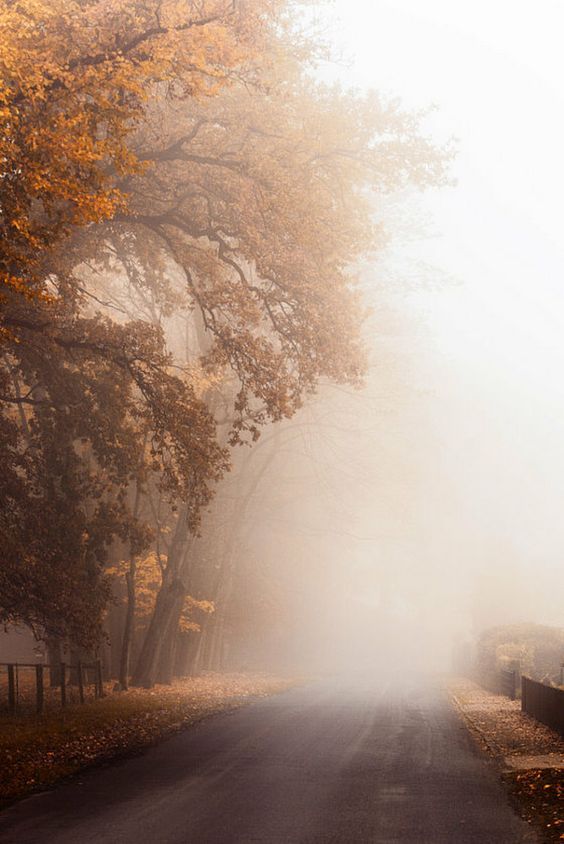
11	689
80	682
39	687
63	684
99	681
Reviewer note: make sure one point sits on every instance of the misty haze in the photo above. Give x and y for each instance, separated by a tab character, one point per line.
281	421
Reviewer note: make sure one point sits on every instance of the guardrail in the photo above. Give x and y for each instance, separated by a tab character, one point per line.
544	703
24	683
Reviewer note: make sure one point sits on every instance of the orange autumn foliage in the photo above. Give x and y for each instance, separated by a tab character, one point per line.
181	205
148	580
75	78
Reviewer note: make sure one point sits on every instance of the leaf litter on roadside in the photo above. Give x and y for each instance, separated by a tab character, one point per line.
39	751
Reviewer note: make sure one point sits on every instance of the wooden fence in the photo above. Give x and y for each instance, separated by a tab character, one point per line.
24	684
545	703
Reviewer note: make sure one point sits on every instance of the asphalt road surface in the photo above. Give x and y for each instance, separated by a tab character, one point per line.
335	761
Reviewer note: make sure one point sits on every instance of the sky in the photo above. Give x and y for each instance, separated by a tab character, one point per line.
493	359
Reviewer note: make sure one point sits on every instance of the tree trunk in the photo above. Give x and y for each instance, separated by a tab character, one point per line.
172	590
186	648
188	666
197	655
55	658
76	656
165	667
128	626
115	623
216	645
164	612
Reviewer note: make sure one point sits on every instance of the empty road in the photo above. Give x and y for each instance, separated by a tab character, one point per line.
334	761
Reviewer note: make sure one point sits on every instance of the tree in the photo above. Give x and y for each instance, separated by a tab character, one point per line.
261	200
76	78
93	413
531	649
176	170
258	203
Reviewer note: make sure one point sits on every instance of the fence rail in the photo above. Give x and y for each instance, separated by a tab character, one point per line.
545	703
22	684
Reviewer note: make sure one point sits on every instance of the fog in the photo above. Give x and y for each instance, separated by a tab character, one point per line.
281	420
203	342
440	513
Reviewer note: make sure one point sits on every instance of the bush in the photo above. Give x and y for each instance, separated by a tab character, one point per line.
532	649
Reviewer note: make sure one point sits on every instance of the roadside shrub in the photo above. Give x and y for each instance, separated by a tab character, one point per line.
532	649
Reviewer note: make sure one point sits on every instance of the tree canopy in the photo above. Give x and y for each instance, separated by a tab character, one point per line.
181	209
75	80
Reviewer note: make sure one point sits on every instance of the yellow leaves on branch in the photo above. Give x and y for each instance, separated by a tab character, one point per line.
187	623
74	81
148	581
